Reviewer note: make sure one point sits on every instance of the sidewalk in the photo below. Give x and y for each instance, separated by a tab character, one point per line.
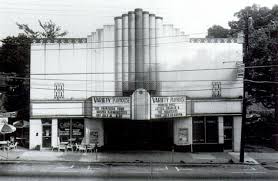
125	157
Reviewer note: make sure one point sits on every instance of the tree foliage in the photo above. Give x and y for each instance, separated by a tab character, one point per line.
15	55
262	50
263	23
14	63
49	30
217	31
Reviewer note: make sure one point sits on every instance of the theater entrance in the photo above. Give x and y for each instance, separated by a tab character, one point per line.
138	134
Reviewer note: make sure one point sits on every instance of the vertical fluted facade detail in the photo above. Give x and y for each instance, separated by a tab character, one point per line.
125	51
146	49
138	43
158	34
100	68
118	56
108	60
139	58
152	53
89	67
94	63
131	50
97	63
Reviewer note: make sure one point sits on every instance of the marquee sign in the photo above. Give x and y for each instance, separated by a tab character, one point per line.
111	107
168	107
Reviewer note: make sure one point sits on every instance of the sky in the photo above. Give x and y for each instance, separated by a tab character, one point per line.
81	17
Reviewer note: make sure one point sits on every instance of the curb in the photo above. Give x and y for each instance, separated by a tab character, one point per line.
121	163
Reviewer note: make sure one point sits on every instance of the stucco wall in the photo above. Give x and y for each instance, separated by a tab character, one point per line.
220	130
35	134
197	83
54	130
237	133
104	59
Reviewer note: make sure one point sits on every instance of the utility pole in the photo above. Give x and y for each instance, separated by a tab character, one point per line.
274	38
245	59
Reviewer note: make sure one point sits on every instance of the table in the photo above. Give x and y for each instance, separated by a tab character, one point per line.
4	144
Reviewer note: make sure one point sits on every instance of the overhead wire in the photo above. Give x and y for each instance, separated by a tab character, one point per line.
162	71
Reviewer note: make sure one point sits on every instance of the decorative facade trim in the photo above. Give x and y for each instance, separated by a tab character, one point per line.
60	40
213	40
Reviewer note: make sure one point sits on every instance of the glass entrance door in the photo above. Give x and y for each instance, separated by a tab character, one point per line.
46	133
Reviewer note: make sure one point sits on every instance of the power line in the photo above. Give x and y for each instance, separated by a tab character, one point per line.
162	71
82	80
261	81
89	83
82	90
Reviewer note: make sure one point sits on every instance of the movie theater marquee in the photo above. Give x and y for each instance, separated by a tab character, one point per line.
120	107
111	107
168	107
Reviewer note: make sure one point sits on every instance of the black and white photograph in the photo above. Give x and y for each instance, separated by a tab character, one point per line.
125	90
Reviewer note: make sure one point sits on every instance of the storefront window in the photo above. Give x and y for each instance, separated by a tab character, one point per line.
212	129
64	129
71	130
205	129
77	131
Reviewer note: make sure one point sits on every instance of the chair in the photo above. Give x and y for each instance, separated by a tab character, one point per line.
12	146
81	148
62	147
69	147
55	148
90	147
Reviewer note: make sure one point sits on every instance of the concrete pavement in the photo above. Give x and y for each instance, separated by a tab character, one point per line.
136	170
144	165
125	157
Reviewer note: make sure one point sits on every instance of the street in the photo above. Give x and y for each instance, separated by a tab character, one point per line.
125	171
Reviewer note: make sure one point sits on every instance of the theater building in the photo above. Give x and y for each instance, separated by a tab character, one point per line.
137	84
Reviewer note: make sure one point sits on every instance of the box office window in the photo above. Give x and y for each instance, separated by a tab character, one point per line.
71	130
205	129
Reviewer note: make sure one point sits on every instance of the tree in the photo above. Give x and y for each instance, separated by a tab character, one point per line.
49	30
15	55
217	31
261	50
14	63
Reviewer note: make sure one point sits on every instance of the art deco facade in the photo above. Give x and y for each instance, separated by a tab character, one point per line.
138	83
